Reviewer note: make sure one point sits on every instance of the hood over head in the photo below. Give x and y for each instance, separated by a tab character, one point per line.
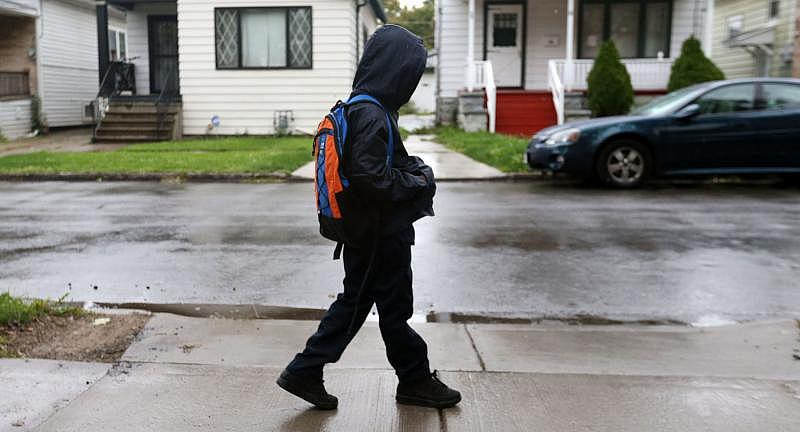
391	66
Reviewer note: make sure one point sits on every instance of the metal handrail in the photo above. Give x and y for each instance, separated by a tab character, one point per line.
119	77
165	99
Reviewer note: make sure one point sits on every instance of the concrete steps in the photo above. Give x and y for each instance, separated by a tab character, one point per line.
138	121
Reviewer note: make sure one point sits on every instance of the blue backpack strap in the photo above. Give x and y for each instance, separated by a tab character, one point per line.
370	99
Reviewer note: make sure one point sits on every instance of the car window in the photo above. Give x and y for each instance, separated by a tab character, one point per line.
779	96
728	99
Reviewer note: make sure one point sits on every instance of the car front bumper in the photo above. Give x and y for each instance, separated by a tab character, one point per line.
574	158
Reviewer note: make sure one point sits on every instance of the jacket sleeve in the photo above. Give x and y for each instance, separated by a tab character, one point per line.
368	154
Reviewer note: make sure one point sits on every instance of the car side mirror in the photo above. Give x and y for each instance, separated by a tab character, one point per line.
688	112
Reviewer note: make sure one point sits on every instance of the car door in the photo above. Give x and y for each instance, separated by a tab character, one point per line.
717	137
778	124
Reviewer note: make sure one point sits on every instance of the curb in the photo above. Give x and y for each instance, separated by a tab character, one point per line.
150	177
229	178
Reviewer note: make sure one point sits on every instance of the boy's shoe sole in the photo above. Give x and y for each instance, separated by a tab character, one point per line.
416	401
305	395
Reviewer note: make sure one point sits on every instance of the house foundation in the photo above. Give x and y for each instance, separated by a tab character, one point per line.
472	114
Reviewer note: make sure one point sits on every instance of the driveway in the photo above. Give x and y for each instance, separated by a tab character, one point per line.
446	164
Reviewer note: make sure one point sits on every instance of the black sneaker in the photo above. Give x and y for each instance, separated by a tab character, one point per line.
310	389
427	392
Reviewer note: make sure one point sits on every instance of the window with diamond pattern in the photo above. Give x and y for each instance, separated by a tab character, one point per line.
263	38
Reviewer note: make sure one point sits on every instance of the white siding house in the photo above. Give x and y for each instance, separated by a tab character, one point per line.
520	40
241	64
67	57
246	100
50	47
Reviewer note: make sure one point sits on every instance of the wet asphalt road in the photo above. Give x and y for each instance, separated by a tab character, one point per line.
692	254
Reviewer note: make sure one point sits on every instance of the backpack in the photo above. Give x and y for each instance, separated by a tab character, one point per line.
341	216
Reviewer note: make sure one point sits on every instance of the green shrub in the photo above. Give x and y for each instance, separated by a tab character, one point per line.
610	89
38	119
3	138
692	67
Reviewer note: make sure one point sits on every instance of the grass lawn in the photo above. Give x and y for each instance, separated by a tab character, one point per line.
503	152
14	310
196	156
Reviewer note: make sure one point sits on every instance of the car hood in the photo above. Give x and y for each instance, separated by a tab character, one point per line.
591	123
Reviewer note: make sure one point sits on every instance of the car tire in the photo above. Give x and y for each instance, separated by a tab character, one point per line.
624	164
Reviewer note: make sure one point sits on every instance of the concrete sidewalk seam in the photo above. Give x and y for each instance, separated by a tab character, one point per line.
475	348
77	397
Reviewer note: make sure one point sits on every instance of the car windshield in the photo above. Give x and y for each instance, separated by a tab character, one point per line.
668	103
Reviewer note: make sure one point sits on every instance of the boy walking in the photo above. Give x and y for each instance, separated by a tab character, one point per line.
394	195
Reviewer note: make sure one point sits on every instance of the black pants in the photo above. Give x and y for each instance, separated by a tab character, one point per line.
389	287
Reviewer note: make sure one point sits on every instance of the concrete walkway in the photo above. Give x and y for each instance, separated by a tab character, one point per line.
63	140
446	164
214	374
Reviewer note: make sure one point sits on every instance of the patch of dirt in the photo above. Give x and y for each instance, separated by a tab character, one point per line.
74	338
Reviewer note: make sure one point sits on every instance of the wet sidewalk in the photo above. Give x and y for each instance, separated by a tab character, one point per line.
216	374
447	164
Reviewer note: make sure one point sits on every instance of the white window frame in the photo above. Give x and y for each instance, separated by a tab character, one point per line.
119	34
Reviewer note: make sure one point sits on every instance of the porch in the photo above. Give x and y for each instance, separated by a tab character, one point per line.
139	97
535	48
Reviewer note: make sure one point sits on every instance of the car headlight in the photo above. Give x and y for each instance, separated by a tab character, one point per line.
565	137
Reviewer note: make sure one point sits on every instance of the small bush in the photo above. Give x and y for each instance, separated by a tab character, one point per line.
38	119
692	67
610	89
3	138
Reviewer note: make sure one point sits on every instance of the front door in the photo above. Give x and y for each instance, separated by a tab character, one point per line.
505	42
163	42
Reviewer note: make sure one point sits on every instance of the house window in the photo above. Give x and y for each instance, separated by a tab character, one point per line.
774	9
639	28
117	45
735	26
263	38
505	30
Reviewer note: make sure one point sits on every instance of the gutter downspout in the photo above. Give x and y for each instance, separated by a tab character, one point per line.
358	28
437	22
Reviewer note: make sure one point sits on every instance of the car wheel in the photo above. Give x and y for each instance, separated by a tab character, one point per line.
624	164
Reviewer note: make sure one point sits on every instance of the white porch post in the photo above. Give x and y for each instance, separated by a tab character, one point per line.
708	31
471	46
569	69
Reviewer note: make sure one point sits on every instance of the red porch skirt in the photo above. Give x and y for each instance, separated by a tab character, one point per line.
522	112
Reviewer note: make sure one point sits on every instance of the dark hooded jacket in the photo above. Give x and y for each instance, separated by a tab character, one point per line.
389	70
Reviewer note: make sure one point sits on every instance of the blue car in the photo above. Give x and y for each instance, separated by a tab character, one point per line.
746	126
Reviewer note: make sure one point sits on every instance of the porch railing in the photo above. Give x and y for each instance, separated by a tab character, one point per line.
120	77
557	88
484	78
646	75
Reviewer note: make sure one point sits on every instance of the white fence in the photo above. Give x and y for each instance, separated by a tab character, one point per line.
646	74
